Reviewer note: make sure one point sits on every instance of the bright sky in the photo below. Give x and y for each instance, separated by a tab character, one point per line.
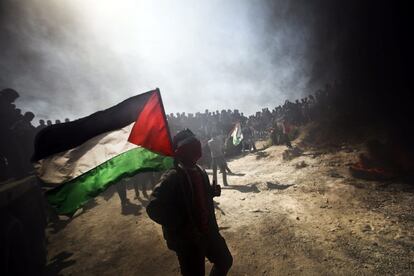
201	54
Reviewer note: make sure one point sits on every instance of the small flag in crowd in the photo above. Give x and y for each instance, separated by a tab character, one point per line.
82	158
237	134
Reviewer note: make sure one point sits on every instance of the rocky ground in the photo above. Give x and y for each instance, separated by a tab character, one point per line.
305	216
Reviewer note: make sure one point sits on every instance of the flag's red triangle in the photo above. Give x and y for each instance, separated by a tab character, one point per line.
151	129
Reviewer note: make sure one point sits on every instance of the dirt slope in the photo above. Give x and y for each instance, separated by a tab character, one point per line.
306	216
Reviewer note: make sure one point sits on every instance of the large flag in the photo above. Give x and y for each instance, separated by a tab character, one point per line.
237	134
82	158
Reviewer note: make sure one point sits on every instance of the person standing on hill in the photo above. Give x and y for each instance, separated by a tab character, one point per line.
183	204
218	160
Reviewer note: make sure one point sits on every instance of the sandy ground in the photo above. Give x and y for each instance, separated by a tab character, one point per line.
306	216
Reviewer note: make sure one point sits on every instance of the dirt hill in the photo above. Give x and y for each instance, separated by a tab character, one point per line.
306	216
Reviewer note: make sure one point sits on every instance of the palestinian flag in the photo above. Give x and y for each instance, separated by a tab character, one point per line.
237	134
82	158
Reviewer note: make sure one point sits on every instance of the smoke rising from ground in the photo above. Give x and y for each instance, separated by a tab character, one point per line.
71	58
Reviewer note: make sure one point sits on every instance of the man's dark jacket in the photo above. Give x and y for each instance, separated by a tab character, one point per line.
172	204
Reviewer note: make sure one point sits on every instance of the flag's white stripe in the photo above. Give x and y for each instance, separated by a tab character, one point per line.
64	166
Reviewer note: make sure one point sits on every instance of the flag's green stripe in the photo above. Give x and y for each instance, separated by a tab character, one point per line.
236	140
237	137
75	193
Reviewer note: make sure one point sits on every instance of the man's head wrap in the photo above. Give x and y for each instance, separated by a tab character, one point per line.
187	147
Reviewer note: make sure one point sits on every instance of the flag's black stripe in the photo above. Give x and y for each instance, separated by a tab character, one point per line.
65	136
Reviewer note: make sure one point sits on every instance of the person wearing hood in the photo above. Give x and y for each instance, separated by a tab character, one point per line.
183	204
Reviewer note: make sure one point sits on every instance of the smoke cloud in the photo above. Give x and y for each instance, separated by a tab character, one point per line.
71	58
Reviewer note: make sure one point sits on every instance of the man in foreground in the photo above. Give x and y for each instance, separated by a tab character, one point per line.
183	204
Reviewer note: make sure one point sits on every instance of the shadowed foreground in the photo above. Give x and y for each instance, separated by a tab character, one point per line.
306	216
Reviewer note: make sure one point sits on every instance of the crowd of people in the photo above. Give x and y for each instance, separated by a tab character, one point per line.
18	130
276	124
17	135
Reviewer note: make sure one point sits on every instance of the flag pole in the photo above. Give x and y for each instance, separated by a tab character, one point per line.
157	90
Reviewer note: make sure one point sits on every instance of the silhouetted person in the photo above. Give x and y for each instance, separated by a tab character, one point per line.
277	133
8	111
49	122
143	181
183	204
41	125
24	133
9	115
67	120
286	132
139	181
218	160
248	139
121	189
57	122
18	113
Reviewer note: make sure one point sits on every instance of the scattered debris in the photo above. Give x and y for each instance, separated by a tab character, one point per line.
261	154
301	165
292	153
367	228
332	221
379	174
277	186
334	174
259	211
398	236
380	162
